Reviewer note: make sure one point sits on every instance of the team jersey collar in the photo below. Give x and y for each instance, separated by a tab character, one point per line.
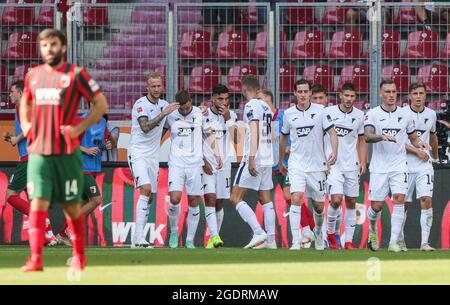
186	114
310	104
339	107
381	106
416	111
151	101
212	110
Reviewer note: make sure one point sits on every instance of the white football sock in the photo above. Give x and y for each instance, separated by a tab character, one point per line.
398	215
142	209
174	213
373	217
318	219
219	217
350	223
294	221
331	219
249	217
337	229
426	220
210	214
193	219
269	221
401	235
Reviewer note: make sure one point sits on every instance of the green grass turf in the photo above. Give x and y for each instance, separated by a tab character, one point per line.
229	266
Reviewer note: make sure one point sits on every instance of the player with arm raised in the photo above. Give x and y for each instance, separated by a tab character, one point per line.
420	167
48	109
388	127
343	179
148	117
305	124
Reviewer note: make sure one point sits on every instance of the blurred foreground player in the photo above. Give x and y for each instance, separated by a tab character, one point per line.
48	108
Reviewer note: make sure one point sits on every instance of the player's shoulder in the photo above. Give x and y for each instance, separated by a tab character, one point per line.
430	112
291	110
140	102
358	112
163	103
374	110
332	109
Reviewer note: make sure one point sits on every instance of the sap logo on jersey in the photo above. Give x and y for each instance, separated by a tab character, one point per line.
390	132
48	96
420	132
304	131
342	132
185	132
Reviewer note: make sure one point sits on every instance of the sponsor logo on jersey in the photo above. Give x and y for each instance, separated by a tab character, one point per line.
426	120
329	118
390	131
342	132
353	120
185	131
48	96
250	115
312	116
139	110
304	131
399	119
420	132
94	86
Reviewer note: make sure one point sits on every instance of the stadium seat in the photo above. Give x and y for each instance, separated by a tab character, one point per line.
399	74
233	45
260	48
287	104
125	63
346	45
236	73
403	102
189	17
195	44
96	16
438	105
21	71
22	46
135	52
303	15
162	71
406	15
332	102
422	44
446	50
320	74
362	105
288	76
246	15
204	78
145	16
435	77
18	15
308	44
357	75
134	40
390	42
47	15
3	79
334	15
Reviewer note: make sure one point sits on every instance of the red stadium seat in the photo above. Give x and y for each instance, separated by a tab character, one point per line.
125	63
334	15
287	104
135	52
204	78
309	44
236	73
399	74
346	45
446	50
435	77
195	44
260	48
18	15
320	74
233	45
439	105
96	16
3	79
403	103
288	76
47	15
22	46
422	44
332	102
156	15
357	75
406	15
390	42
246	15
21	71
362	105
162	71
303	15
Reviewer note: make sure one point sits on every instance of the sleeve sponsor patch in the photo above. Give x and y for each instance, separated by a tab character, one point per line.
139	110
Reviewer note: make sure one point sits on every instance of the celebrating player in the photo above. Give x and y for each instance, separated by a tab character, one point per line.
307	222
420	167
388	127
185	165
306	124
148	118
221	122
48	108
18	181
255	170
343	178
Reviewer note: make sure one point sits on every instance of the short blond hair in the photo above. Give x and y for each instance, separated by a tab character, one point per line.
153	75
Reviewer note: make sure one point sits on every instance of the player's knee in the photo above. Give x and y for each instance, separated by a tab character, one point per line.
193	201
399	198
336	201
425	202
97	201
350	202
175	198
220	203
297	199
145	190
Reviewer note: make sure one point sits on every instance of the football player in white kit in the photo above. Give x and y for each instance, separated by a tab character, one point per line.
343	179
388	127
420	167
221	122
148	116
306	123
185	165
255	170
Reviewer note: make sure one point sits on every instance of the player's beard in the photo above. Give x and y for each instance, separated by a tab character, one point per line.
56	59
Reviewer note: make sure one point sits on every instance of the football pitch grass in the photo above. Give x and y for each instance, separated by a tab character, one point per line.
231	266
